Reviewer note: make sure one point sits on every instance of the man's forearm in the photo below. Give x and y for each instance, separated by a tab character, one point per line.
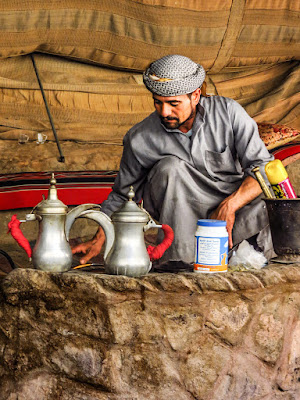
247	192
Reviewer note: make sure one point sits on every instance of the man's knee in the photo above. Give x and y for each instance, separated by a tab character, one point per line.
166	168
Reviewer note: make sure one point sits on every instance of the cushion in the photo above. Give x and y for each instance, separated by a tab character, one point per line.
274	135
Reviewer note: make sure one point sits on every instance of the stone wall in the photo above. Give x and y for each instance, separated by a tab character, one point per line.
181	336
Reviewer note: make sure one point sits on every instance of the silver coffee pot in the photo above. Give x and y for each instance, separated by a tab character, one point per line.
125	251
52	251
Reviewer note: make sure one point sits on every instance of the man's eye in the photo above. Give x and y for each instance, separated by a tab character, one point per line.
174	104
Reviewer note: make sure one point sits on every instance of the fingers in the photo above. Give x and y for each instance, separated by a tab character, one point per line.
88	256
230	242
80	248
223	214
85	248
229	228
92	249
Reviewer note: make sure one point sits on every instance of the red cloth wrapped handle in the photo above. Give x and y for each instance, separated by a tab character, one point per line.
17	234
156	252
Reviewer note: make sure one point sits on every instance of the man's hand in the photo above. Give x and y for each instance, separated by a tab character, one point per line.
226	213
226	210
91	248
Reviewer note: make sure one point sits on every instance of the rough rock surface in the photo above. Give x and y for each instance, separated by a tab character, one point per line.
182	336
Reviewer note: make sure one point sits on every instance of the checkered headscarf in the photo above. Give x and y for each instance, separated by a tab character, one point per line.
173	75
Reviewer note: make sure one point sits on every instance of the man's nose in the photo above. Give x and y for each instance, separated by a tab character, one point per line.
165	110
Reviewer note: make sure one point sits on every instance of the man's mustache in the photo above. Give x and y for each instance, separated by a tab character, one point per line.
169	119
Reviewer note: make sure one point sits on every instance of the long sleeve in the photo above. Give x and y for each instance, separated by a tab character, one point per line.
131	173
250	148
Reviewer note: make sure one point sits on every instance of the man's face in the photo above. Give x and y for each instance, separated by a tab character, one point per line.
177	112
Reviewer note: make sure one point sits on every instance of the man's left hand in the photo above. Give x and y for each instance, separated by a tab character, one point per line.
225	213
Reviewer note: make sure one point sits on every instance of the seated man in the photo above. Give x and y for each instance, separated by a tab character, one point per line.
190	159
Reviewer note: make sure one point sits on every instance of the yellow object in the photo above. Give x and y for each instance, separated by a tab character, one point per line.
81	266
275	172
278	177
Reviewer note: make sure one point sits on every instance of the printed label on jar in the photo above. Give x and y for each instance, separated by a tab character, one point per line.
211	254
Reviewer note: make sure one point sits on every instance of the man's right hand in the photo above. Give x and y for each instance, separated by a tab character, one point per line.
91	248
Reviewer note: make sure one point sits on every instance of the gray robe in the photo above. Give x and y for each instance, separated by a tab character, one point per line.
182	179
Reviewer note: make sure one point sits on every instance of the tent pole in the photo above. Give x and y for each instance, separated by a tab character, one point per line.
61	158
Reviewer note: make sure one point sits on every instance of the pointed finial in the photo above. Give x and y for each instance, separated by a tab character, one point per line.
131	193
52	192
52	180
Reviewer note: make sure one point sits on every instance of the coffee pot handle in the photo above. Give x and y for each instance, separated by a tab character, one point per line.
105	222
156	252
74	213
17	234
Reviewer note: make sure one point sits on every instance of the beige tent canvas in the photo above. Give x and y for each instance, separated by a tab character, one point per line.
90	56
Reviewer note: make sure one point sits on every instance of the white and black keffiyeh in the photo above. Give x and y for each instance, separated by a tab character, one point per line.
173	75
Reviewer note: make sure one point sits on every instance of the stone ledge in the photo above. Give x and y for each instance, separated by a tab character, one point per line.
23	281
176	336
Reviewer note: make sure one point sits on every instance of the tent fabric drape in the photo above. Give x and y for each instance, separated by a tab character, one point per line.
90	55
107	102
92	108
130	34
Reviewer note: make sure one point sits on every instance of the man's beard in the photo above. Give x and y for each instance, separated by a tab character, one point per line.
173	122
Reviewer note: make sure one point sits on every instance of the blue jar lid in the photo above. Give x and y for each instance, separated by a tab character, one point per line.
211	222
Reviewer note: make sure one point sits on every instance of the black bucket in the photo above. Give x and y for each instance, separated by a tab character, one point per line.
284	218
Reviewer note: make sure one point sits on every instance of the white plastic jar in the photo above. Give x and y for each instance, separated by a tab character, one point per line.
211	246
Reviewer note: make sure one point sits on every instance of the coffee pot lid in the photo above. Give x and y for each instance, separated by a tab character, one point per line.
51	205
129	211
